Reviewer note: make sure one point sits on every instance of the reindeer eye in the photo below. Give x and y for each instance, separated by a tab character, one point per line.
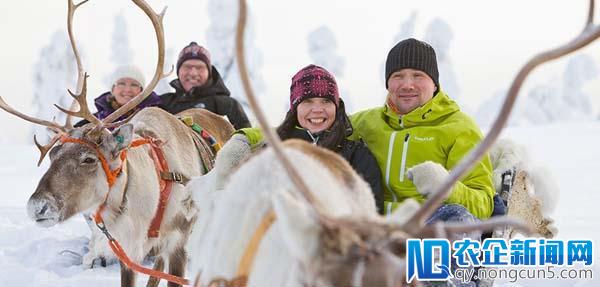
89	160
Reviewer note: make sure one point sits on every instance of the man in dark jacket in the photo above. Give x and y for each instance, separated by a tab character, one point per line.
199	85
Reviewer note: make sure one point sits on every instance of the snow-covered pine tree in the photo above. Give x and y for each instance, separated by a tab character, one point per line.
120	51
439	35
579	70
163	85
54	72
407	28
322	48
221	44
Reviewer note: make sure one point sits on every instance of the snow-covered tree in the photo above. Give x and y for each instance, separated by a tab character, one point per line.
579	70
407	28
163	85
221	44
322	48
439	35
121	52
551	101
54	72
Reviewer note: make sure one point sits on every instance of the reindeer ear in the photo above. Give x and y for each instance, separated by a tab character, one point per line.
403	212
122	137
298	224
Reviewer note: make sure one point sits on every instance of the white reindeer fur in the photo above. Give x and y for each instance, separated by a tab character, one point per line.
506	154
227	218
131	226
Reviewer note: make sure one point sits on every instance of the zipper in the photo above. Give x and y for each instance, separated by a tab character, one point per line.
388	207
404	152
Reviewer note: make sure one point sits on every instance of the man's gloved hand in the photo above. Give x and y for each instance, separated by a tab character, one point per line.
427	176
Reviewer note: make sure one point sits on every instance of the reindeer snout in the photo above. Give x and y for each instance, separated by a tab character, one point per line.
42	211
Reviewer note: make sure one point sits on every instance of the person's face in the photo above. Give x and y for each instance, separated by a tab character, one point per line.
193	73
316	114
125	89
410	89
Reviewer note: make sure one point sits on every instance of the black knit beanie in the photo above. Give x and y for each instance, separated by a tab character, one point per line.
414	54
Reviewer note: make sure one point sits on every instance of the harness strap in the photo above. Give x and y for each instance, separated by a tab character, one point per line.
174	176
207	144
245	265
120	253
111	175
161	165
166	186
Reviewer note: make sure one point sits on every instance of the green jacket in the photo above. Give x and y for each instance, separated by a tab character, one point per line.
437	131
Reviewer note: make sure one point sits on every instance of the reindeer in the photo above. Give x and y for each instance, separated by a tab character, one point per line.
132	176
304	226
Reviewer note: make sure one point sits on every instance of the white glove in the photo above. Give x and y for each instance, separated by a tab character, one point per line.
427	176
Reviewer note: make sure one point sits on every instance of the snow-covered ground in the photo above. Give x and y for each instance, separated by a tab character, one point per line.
34	256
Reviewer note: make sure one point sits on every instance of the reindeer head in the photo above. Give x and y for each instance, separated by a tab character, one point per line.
344	251
78	177
87	160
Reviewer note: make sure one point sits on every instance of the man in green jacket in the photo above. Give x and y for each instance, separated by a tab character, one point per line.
420	133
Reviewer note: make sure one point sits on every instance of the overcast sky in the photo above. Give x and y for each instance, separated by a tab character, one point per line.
492	40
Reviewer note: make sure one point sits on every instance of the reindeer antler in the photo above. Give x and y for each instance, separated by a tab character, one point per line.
589	34
51	125
80	95
271	137
157	20
84	111
58	129
45	148
80	73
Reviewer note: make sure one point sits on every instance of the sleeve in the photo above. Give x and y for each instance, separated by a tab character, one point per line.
355	120
366	166
237	116
254	135
475	190
81	123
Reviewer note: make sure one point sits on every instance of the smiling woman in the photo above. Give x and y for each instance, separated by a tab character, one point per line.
317	115
128	82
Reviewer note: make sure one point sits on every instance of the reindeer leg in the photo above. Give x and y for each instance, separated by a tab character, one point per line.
177	262
127	276
159	265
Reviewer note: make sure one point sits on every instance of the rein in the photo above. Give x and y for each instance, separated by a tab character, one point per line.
245	264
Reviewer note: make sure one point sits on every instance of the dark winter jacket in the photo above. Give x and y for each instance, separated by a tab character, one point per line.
105	106
213	96
359	157
355	152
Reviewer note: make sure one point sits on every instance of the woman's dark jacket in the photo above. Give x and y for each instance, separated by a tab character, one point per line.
358	155
105	105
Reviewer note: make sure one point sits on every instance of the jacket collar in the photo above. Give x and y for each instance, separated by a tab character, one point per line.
213	87
439	106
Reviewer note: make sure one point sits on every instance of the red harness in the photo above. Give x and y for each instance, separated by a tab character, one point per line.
162	167
160	163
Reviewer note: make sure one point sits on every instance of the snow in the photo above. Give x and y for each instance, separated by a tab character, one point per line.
34	256
55	72
556	100
220	41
